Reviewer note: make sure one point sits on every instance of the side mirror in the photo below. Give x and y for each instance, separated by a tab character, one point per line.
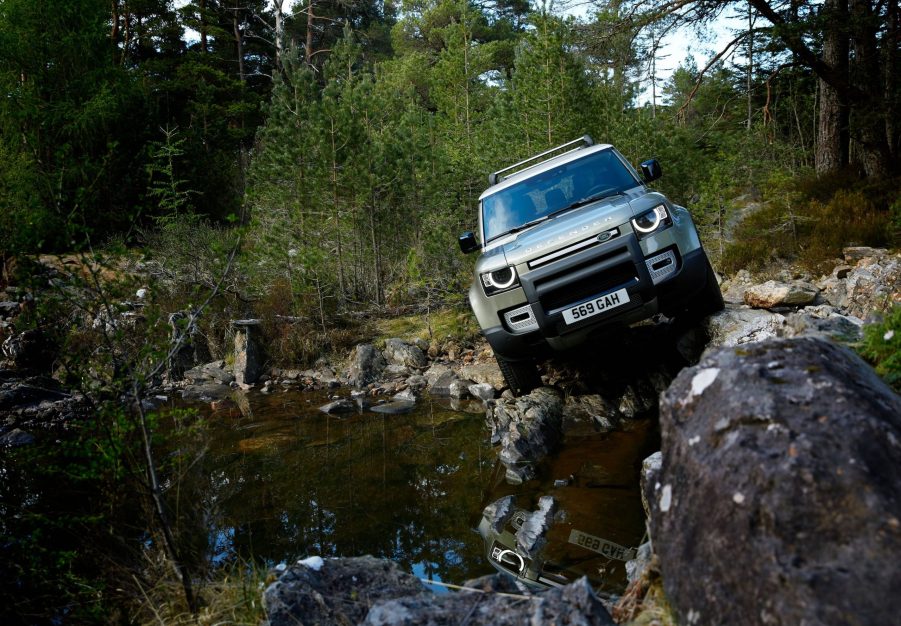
651	170
468	242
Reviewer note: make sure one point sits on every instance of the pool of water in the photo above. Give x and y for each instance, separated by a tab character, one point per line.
279	480
275	479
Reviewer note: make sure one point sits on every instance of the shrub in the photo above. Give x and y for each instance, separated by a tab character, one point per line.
881	346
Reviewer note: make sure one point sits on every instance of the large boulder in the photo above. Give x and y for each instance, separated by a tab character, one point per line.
399	352
366	364
528	428
733	327
779	496
776	293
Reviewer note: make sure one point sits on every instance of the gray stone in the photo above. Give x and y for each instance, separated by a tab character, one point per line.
407	395
874	286
397	371
638	399
399	352
481	373
482	391
16	438
854	254
636	568
773	294
650	467
335	407
459	389
498	513
366	365
531	536
781	466
734	289
396	407
248	352
9	309
734	327
575	604
341	591
442	385
528	428
206	392
593	408
809	321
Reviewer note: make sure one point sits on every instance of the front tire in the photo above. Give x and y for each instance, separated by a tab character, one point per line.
521	376
709	301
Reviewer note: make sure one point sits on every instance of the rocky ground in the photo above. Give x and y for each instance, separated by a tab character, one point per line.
775	440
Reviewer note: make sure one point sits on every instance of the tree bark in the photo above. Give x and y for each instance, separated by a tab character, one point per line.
891	67
869	120
832	132
308	48
239	45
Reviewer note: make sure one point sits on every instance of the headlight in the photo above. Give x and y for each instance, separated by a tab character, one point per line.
651	221
499	280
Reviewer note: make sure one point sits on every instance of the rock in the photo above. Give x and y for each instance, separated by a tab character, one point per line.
733	290
442	385
193	348
733	327
248	352
31	349
335	407
530	538
816	321
397	371
366	365
8	310
781	466
341	591
772	294
416	383
636	568
854	254
484	373
211	372
602	413
528	428
407	395
459	389
482	391
435	372
399	352
498	513
206	392
650	468
873	286
16	438
637	399
397	407
574	604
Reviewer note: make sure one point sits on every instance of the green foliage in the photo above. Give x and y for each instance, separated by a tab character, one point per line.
791	226
882	347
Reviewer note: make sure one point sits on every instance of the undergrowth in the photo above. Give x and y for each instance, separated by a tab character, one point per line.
807	222
881	346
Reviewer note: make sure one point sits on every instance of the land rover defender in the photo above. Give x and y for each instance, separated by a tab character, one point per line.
573	243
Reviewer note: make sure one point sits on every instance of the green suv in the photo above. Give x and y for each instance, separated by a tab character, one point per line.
573	244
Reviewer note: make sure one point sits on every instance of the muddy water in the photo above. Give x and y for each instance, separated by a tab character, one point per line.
279	480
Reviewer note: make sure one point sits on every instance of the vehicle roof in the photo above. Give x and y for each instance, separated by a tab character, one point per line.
544	166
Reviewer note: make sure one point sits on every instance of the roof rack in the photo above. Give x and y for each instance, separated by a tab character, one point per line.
586	141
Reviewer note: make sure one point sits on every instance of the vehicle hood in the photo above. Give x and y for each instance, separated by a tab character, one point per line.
568	228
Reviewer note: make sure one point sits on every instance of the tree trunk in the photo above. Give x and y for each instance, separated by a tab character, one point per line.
279	33
872	154
832	131
891	45
239	46
308	49
203	27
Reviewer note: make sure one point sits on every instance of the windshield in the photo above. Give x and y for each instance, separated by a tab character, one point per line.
595	176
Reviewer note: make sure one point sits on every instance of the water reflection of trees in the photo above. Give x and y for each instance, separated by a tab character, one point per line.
403	487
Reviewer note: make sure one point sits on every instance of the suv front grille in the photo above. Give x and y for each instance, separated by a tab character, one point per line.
595	284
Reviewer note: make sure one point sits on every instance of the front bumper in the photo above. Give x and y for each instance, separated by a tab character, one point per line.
585	276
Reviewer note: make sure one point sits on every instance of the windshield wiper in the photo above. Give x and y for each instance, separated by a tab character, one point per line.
584	201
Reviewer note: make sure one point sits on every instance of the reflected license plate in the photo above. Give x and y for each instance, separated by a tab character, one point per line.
602	546
594	307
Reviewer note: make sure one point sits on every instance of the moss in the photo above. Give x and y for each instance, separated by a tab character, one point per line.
444	324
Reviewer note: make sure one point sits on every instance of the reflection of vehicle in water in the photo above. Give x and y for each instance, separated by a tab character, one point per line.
587	522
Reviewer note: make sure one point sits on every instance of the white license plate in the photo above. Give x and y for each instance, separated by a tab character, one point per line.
598	305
